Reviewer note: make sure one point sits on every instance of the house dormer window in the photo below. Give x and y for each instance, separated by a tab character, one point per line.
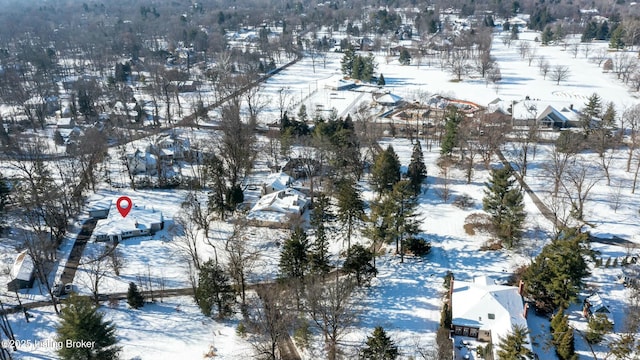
491	316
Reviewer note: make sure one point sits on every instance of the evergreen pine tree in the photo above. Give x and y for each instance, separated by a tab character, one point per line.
80	320
417	170
368	67
381	223
555	276
134	297
356	71
617	38
319	249
386	170
405	57
515	32
285	123
592	109
294	259
350	207
504	202
590	32
359	262
214	290
302	113
599	325
547	35
562	336
513	346
347	61
379	346
603	31
403	216
609	116
450	139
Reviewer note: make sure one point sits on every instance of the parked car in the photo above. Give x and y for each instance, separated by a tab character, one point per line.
59	290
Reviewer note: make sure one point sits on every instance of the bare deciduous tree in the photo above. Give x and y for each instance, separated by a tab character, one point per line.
445	178
333	309
96	265
556	167
237	143
270	321
631	117
241	257
186	239
560	73
544	67
578	181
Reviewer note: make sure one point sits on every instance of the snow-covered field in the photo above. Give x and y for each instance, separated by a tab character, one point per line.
404	298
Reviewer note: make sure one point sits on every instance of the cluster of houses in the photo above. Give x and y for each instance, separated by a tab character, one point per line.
163	151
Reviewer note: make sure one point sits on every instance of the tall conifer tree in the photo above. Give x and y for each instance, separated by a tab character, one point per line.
504	202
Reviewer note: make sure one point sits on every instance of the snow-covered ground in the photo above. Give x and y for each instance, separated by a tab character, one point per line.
405	298
173	328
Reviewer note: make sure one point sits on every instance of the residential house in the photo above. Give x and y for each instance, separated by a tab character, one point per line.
529	112
594	304
485	310
171	148
278	207
140	221
276	182
100	210
141	161
22	273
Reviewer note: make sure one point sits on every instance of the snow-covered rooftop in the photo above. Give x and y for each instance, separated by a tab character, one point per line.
22	267
278	206
139	218
484	305
278	181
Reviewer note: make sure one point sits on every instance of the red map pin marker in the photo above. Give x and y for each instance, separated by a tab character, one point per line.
124	205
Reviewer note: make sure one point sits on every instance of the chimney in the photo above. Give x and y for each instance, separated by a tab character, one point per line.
526	310
521	287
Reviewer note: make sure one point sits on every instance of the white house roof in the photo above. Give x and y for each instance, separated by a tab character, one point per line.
388	99
104	204
139	218
597	304
487	306
64	121
535	109
564	114
22	267
278	206
278	181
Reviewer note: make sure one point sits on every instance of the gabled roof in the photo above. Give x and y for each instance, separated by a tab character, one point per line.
22	267
278	181
597	304
277	206
564	115
388	99
139	218
487	306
